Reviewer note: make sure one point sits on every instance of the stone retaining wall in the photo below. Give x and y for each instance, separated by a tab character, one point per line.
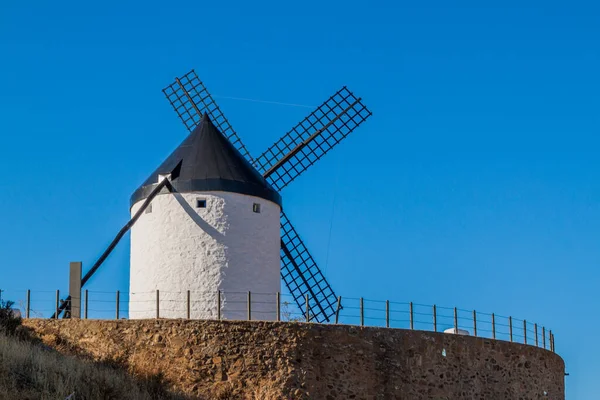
247	360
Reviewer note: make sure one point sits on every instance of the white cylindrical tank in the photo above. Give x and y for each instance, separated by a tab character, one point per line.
205	242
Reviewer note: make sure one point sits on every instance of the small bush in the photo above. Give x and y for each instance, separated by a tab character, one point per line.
9	320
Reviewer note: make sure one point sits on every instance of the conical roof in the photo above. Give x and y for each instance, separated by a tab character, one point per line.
209	162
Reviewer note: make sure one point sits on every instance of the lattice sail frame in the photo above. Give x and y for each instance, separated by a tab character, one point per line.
190	99
306	143
312	138
302	276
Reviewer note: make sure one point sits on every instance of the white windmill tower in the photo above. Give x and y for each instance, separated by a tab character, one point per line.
218	231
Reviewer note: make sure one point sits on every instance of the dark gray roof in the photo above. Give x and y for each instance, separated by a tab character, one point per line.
209	162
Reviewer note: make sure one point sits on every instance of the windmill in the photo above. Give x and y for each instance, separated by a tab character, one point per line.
215	153
280	164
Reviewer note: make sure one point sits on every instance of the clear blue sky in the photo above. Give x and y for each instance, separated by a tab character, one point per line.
475	183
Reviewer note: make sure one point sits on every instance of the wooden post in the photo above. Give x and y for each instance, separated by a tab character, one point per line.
28	303
337	310
57	304
157	304
219	305
189	304
387	313
249	301
510	328
493	326
455	320
85	310
551	341
278	306
544	336
411	316
117	311
434	319
536	335
525	331
362	312
474	323
307	299
75	289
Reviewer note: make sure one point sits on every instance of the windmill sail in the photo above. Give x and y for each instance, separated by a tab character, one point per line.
190	99
303	277
312	138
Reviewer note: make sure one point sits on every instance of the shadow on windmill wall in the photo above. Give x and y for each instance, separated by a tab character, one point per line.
202	224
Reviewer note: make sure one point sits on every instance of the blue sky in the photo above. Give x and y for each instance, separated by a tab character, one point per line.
475	183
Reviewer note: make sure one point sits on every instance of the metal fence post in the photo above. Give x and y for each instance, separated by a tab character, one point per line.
493	326
455	320
188	304
411	317
278	306
434	318
525	331
57	303
544	336
474	323
249	301
307	299
157	304
510	328
85	311
387	313
362	313
551	340
117	311
28	303
536	335
337	310
219	305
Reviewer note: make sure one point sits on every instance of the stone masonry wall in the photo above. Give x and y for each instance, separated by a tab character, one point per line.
271	360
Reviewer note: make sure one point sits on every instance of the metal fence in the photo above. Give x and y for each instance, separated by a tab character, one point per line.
282	307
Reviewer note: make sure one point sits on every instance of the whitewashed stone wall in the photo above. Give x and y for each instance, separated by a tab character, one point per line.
226	246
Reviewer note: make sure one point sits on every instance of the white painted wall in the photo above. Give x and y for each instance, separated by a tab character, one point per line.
225	246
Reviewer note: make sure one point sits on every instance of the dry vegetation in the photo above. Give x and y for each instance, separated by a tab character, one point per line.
30	370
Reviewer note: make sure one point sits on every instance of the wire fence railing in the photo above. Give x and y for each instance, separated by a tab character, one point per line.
279	307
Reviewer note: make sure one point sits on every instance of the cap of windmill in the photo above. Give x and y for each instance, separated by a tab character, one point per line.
216	228
209	162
